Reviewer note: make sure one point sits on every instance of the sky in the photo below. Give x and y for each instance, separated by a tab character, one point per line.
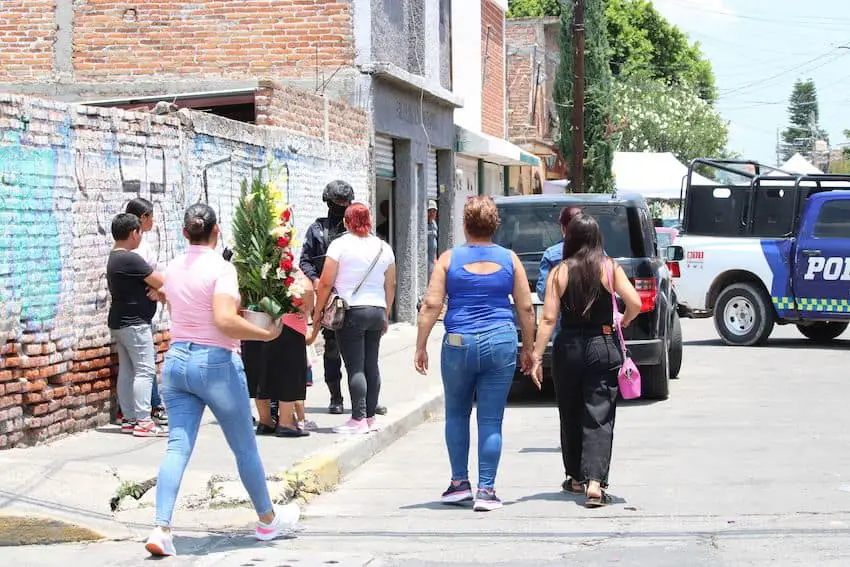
758	48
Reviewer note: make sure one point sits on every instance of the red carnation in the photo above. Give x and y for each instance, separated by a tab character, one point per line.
289	281
286	215
283	241
297	301
288	255
286	265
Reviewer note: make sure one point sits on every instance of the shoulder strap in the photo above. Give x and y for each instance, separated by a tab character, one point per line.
369	271
609	270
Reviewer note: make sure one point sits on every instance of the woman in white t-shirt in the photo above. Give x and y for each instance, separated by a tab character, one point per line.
354	257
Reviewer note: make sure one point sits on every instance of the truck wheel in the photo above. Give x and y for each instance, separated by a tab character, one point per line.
676	347
655	380
743	315
822	332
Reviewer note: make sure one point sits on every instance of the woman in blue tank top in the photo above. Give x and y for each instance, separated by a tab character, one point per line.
479	354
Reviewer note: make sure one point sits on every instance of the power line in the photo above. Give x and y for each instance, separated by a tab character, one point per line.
812	21
747	86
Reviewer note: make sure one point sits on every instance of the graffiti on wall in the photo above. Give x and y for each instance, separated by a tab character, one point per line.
30	261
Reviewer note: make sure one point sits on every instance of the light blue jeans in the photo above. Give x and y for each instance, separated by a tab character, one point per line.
193	377
481	366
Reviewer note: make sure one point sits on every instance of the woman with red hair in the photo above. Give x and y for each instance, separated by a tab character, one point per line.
361	268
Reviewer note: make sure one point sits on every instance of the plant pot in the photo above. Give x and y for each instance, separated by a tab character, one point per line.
258	318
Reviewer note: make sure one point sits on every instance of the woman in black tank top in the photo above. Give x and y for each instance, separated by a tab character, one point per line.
586	355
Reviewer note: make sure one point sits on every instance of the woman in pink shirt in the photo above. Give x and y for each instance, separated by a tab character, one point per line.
203	369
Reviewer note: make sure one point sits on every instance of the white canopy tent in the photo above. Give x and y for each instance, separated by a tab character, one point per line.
799	164
652	175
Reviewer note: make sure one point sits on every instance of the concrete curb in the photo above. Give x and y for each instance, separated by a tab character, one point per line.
322	471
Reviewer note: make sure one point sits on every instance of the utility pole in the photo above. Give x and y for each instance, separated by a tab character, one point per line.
577	165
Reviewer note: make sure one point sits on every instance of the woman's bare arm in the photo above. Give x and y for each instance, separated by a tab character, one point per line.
524	304
551	307
389	287
627	291
226	318
432	304
326	284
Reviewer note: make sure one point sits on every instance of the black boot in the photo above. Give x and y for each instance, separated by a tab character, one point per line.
335	406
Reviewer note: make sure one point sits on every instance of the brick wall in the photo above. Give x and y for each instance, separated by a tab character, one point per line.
304	113
181	38
493	63
27	31
64	172
521	37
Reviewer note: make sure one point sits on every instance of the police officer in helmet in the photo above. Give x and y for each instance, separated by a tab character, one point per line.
338	195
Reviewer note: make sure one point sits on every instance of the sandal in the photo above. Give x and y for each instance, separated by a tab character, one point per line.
572	486
598	501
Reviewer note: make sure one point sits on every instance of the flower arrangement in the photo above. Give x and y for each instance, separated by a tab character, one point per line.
263	237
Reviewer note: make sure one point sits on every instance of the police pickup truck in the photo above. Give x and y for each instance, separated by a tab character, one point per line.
763	247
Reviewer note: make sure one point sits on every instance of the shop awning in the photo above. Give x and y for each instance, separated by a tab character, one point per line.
492	149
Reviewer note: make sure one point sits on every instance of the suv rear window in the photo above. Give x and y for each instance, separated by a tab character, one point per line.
529	229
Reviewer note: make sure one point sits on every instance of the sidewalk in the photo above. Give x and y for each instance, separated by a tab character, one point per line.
74	479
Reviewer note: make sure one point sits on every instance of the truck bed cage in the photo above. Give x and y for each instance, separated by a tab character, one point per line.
748	198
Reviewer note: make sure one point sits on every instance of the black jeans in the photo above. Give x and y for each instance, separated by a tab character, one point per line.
333	365
359	342
584	369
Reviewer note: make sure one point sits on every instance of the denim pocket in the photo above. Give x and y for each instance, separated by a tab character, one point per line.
216	358
453	358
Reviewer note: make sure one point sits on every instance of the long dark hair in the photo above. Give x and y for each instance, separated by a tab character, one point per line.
199	221
584	256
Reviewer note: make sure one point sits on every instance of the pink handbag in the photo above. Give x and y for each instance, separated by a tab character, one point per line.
629	376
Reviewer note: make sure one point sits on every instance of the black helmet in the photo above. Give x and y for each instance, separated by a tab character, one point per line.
338	191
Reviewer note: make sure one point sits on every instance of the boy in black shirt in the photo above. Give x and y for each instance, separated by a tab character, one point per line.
130	316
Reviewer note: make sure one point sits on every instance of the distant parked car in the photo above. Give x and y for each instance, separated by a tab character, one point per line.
666	237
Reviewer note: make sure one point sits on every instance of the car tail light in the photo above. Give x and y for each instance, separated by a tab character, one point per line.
674	269
647	290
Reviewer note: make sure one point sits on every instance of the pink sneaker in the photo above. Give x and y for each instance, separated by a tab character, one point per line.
372	423
353	427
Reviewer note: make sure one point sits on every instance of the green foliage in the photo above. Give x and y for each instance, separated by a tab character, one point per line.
803	115
658	118
642	44
842	166
533	8
846	150
645	45
598	149
258	255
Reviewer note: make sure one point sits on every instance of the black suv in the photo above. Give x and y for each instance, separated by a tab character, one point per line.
530	225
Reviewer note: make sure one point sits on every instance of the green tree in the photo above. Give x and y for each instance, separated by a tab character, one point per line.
642	43
654	117
598	149
533	8
803	115
645	45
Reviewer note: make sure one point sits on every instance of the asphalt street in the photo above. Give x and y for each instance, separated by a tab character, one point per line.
745	464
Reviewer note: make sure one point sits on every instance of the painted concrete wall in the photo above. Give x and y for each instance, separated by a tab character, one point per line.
64	172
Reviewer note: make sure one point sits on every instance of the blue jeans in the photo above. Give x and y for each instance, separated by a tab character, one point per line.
193	377
481	366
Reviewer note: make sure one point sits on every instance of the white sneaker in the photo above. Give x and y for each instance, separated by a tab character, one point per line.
160	543
285	520
353	427
148	428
